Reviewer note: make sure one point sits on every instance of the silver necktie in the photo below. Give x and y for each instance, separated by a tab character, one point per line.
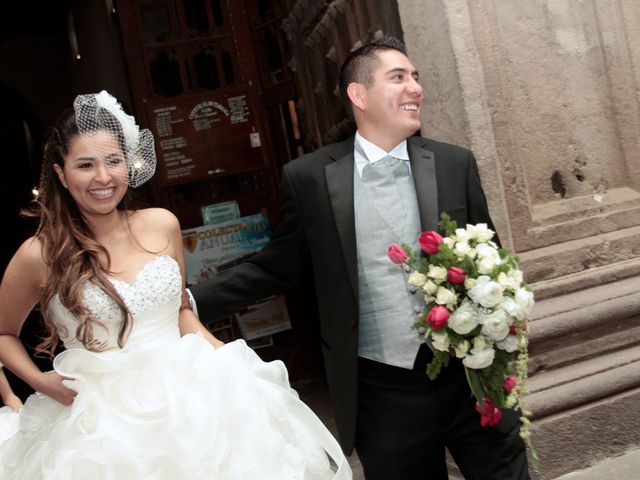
381	181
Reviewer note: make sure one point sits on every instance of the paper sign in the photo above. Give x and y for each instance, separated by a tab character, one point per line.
210	247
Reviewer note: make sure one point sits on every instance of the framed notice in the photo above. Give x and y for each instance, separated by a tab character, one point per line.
264	319
220	212
205	135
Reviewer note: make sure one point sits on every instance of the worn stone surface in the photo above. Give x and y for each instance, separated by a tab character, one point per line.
583	437
620	467
547	95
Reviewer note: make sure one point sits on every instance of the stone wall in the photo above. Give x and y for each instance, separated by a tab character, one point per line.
547	95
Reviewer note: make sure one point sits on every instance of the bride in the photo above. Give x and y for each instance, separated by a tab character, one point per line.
142	390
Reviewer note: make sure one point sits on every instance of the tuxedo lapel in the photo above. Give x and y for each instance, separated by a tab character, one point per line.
423	169
339	177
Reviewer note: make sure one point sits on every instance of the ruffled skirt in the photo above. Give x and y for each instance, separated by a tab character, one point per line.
186	411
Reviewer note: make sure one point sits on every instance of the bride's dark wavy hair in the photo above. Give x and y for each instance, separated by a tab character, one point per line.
69	247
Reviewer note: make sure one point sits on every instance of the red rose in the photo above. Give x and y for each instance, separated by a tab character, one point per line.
430	242
510	383
512	330
490	415
438	317
456	275
396	253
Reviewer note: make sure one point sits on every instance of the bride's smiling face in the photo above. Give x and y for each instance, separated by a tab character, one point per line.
94	172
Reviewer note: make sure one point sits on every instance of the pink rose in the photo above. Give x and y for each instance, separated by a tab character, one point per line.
456	275
430	242
438	317
510	383
489	415
396	253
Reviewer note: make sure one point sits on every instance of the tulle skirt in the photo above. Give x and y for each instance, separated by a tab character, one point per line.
185	411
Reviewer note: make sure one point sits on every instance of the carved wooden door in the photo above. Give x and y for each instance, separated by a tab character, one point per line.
321	35
206	77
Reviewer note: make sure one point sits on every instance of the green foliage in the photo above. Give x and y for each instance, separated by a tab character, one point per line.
444	258
492	378
440	359
446	225
469	266
475	384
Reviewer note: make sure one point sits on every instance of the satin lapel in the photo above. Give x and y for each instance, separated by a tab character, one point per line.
339	176
423	169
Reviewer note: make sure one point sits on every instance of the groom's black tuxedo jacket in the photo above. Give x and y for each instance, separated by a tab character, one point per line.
318	224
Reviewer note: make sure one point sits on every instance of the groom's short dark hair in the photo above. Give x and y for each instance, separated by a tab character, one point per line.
359	65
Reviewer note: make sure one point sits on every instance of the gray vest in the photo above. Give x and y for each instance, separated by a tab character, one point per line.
387	308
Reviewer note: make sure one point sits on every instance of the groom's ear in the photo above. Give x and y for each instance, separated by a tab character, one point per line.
357	95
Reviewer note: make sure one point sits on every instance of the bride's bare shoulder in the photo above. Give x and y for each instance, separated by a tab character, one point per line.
31	252
30	258
156	218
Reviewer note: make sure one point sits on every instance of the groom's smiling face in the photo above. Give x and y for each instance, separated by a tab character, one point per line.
393	99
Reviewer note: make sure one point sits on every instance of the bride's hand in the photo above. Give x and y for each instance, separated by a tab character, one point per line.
13	402
52	386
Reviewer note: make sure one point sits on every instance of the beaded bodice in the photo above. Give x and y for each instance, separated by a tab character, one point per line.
153	298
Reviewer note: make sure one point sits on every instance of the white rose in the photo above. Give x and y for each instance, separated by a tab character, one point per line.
438	274
440	341
508	282
417	279
462	348
480	232
485	265
444	296
495	326
524	299
449	242
480	343
469	282
509	343
464	319
462	235
486	292
430	288
428	299
485	250
511	308
488	258
462	249
481	359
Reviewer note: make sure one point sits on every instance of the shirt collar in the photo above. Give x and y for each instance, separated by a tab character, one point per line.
373	153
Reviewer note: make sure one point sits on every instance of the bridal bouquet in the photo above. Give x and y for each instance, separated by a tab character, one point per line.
476	307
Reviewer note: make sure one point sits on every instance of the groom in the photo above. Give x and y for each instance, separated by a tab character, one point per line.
342	206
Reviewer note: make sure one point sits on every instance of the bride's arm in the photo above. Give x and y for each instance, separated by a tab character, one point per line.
19	292
9	398
188	321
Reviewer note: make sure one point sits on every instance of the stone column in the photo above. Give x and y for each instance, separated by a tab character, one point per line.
547	95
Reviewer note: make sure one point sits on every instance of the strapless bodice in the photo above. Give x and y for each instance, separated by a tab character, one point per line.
153	298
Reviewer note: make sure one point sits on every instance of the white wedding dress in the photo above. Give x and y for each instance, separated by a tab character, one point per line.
165	406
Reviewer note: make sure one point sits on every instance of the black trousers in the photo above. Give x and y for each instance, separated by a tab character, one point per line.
405	421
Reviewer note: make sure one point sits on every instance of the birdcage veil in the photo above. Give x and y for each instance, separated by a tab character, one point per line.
101	112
